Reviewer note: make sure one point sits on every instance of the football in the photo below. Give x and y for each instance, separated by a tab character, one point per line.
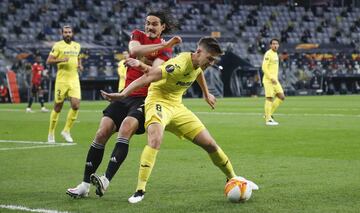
238	189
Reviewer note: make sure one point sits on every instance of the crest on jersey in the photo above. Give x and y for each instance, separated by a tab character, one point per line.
170	68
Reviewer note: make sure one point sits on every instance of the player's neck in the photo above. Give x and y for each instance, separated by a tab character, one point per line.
68	42
194	61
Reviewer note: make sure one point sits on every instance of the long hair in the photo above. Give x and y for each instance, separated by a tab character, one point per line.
165	18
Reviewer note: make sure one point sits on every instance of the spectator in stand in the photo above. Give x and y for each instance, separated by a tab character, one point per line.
4	94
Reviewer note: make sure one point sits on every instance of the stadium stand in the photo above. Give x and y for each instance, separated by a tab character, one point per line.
331	64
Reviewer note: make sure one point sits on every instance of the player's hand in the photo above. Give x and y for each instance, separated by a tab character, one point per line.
132	62
64	60
173	41
112	96
273	81
211	100
80	67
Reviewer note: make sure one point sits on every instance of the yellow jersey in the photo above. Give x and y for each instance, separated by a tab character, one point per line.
178	74
66	71
122	69
270	65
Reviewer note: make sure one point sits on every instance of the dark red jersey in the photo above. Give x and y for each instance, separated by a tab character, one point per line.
133	73
36	73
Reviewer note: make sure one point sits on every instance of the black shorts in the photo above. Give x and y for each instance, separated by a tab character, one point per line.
130	106
35	88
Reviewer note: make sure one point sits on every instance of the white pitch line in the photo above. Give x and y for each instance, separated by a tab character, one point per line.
44	145
23	208
36	142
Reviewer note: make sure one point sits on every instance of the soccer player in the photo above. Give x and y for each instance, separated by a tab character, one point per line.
126	116
38	71
164	109
122	69
65	54
270	67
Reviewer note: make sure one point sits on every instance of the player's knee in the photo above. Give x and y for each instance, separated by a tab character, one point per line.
58	107
128	128
102	135
75	106
154	142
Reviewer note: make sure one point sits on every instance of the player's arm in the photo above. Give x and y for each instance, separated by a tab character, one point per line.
132	62
53	60
209	98
138	49
53	56
155	74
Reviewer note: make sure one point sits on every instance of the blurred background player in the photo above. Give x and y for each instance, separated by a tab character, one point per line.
270	67
126	116
37	72
65	54
4	93
122	71
164	109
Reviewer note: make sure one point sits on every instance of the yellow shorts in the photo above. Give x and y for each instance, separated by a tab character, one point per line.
67	89
174	118
271	90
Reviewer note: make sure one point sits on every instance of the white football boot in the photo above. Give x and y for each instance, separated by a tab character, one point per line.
43	109
80	191
29	110
136	197
271	122
101	184
67	136
51	138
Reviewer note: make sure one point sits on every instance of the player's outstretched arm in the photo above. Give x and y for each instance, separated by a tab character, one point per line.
138	49
153	75
132	62
209	98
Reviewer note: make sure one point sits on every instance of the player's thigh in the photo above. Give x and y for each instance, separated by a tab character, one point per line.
136	111
60	93
185	124
157	112
75	90
278	89
269	89
205	141
117	112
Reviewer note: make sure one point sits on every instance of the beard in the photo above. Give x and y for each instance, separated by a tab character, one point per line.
67	39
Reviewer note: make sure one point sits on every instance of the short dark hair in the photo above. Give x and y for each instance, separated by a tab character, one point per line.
66	26
165	18
210	44
274	39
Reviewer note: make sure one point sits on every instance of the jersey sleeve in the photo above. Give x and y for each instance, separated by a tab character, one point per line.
137	35
165	54
55	51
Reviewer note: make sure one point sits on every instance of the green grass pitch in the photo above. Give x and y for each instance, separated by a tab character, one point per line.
309	163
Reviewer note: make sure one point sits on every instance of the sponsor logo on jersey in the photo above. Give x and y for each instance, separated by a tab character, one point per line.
184	84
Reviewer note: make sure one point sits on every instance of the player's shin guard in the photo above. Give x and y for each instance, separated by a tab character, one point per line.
268	107
275	104
54	116
147	162
71	117
93	160
117	157
220	159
